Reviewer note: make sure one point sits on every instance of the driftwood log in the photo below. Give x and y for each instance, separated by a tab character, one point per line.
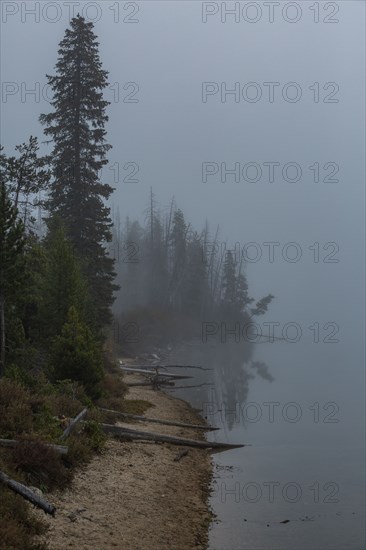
127	433
60	449
155	372
28	494
158	421
194	386
71	427
160	383
168	367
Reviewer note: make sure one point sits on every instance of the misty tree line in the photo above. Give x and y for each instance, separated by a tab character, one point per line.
57	288
168	264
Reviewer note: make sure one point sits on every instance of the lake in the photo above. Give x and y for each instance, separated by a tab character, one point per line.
300	407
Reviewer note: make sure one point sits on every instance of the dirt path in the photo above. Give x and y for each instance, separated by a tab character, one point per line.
135	496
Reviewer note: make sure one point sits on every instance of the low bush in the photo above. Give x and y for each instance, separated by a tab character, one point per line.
15	409
40	464
17	524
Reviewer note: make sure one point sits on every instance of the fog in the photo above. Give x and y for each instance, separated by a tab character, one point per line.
170	122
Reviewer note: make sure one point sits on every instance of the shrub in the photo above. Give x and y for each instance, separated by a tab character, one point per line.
41	465
80	452
15	410
17	524
96	438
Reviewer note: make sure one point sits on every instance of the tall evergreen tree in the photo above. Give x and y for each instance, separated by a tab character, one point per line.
77	128
63	285
229	281
195	284
179	257
12	242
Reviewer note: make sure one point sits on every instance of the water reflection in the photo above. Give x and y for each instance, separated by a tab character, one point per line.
222	392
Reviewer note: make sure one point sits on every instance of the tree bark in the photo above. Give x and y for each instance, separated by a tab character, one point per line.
158	421
168	367
156	373
73	424
161	383
28	494
127	433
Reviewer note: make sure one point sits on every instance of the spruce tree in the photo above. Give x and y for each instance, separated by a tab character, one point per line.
63	284
179	257
76	355
12	261
28	175
195	280
76	126
229	281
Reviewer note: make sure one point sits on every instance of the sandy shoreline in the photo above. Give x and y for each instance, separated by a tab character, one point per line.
135	496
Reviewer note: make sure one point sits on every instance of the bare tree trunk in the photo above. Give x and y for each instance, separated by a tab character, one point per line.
158	421
127	433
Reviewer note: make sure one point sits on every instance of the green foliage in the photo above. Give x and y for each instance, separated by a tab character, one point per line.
15	409
17	373
12	242
26	176
75	355
96	437
76	127
63	285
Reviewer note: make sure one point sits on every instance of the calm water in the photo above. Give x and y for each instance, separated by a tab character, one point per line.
301	408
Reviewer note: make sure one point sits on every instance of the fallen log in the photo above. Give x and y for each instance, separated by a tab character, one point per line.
160	383
127	433
155	373
170	366
158	421
71	427
28	494
195	386
60	449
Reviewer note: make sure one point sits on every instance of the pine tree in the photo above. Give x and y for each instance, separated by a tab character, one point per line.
27	175
157	277
12	242
76	127
195	280
63	285
229	281
76	355
179	256
242	297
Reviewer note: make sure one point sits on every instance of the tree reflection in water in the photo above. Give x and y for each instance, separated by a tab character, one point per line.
221	393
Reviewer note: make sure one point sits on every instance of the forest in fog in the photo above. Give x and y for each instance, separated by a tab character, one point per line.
177	277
